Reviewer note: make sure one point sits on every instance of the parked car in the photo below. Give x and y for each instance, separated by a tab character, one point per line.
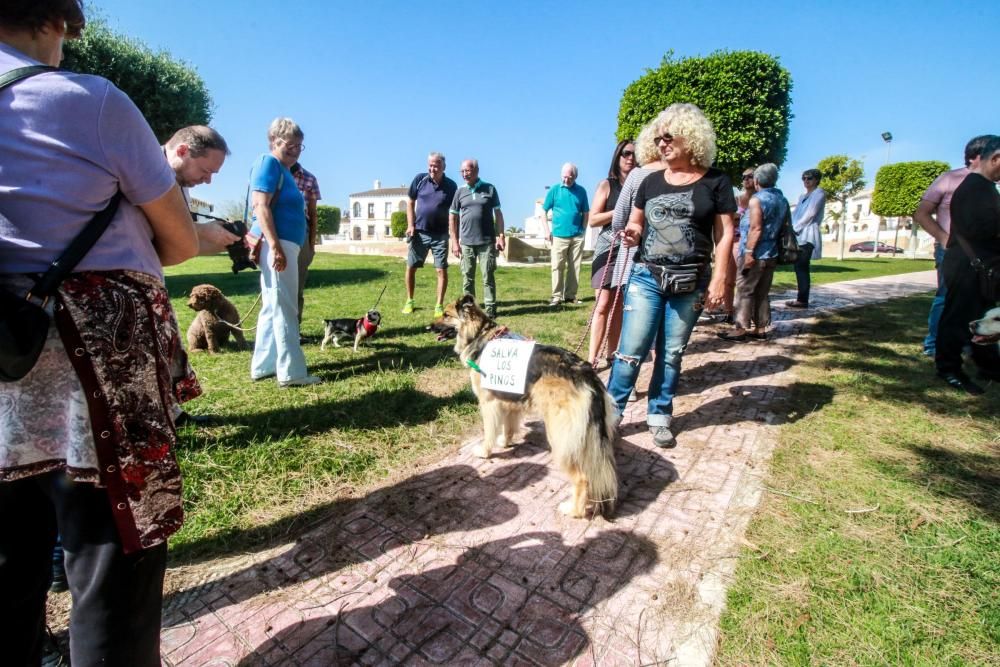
867	246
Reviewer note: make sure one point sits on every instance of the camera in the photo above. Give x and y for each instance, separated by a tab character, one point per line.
238	251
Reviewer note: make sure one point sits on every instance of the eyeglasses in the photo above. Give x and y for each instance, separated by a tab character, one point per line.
808	178
664	138
747	177
294	147
628	154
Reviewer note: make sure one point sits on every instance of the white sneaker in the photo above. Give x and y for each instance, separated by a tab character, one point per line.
300	382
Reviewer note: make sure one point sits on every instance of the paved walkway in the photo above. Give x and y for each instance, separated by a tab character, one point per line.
469	562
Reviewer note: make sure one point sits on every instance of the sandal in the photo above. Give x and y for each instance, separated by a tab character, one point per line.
735	338
796	304
758	336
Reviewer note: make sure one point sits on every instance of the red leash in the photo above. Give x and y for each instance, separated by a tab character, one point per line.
616	239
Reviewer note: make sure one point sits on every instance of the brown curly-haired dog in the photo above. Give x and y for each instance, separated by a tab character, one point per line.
209	330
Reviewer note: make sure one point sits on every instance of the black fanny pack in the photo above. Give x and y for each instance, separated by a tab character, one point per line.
677	278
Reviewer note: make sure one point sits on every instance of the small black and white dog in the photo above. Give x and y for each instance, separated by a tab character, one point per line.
348	328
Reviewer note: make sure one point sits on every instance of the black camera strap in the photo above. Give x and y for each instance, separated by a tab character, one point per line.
88	236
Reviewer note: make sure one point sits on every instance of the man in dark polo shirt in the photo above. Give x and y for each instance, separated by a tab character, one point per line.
975	219
430	196
474	235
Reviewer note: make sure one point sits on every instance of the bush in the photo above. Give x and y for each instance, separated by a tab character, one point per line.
746	95
168	92
899	187
328	219
397	224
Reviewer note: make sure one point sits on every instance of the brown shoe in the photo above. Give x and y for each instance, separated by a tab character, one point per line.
796	304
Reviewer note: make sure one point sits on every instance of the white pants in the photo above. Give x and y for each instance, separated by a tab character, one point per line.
276	348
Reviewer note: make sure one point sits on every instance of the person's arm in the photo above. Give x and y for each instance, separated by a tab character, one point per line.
213	238
261	204
501	238
620	216
456	247
174	236
633	230
312	218
601	216
924	216
411	216
753	236
723	248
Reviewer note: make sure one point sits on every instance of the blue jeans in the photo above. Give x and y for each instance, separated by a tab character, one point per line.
649	311
276	348
802	272
937	306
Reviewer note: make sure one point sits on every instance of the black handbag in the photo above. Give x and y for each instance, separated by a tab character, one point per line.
788	244
987	271
24	322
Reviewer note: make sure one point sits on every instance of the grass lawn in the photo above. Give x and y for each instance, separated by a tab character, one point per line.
889	553
278	458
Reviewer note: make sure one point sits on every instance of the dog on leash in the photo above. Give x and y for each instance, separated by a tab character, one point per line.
217	318
578	412
986	331
347	328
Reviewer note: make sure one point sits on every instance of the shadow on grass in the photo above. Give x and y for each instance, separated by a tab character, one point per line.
973	478
376	409
247	283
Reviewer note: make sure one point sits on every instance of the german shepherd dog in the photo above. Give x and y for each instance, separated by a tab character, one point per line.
578	412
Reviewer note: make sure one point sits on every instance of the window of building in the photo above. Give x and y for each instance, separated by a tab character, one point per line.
402	205
371	229
357	209
388	210
371	211
388	231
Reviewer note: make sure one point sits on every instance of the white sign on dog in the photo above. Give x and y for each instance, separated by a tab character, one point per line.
504	364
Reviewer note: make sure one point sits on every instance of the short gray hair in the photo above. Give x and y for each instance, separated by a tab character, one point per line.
766	175
434	155
284	128
576	172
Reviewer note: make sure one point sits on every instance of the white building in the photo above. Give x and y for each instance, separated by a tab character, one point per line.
371	212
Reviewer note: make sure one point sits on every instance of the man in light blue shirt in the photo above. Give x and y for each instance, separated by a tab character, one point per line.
570	210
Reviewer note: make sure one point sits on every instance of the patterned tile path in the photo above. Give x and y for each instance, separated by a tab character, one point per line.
468	562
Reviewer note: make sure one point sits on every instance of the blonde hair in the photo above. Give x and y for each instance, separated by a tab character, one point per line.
284	128
687	122
645	149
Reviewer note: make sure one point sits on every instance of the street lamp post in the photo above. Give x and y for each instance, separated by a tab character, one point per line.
887	138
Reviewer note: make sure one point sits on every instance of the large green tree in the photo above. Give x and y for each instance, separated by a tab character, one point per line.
898	189
169	92
746	95
328	219
843	177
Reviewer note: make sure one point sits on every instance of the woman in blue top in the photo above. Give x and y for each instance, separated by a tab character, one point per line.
279	219
758	255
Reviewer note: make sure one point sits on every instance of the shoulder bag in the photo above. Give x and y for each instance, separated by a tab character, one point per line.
24	322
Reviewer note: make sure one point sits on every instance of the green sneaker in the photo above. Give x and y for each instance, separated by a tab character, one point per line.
408	307
439	310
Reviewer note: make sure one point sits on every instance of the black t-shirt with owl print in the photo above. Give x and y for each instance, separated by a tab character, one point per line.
679	218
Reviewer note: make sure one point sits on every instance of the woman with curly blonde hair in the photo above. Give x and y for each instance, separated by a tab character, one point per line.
679	213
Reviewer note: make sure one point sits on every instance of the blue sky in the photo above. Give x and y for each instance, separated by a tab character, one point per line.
525	86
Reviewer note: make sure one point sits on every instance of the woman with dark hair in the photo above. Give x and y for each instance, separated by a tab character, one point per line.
806	219
602	270
86	437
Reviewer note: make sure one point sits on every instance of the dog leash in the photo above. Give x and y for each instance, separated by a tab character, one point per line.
616	239
238	326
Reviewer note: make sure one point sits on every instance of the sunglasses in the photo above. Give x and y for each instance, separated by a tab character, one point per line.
665	138
747	177
628	153
808	178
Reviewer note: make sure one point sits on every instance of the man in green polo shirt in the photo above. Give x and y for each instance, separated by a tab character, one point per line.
570	210
477	233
